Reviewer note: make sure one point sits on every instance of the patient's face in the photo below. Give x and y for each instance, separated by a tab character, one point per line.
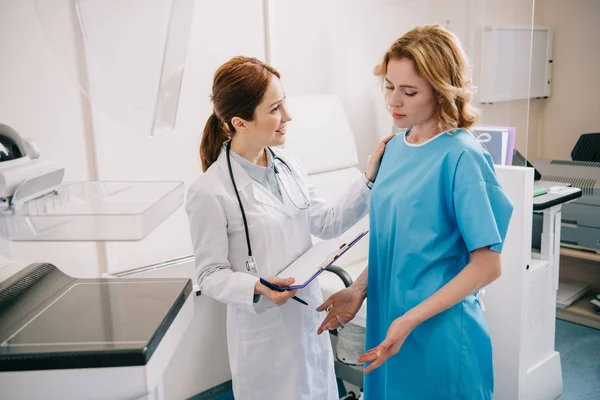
270	117
410	97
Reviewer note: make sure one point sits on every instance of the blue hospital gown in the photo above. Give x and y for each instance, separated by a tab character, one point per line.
432	204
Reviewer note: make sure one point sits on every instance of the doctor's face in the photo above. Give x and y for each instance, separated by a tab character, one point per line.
410	98
270	117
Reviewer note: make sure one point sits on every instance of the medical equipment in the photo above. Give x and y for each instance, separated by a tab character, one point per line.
581	218
41	352
57	332
283	167
132	78
499	141
36	205
295	193
131	72
23	175
350	343
137	83
587	148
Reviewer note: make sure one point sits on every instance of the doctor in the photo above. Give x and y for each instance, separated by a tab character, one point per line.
251	214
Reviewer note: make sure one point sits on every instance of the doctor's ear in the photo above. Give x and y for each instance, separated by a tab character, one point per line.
238	123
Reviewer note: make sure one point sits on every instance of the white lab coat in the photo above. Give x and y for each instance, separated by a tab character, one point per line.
274	352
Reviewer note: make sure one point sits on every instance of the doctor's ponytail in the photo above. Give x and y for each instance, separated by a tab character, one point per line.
238	88
212	139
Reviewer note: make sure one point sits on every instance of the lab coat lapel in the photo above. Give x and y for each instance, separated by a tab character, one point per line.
264	196
242	179
260	193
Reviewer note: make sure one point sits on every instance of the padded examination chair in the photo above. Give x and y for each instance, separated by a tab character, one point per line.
321	138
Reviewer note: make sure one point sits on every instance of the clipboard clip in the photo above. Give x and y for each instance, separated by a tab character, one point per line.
334	256
341	250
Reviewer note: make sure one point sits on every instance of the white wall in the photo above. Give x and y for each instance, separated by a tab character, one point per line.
511	113
319	51
572	108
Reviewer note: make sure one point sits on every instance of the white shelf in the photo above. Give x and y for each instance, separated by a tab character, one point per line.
93	211
582	311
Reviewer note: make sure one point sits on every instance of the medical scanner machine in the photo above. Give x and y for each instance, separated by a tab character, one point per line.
62	337
520	307
68	338
71	338
103	338
580	219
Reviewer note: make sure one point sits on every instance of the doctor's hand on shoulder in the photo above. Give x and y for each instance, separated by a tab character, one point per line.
375	159
279	298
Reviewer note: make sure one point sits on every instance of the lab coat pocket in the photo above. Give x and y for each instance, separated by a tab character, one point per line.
258	328
263	353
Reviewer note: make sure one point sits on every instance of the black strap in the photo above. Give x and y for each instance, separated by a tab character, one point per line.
227	150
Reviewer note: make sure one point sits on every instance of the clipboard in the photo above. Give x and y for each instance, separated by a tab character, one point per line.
316	260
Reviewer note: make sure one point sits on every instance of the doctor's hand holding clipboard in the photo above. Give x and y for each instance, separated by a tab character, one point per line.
306	268
271	288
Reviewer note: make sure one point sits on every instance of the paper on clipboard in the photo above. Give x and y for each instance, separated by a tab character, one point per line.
310	264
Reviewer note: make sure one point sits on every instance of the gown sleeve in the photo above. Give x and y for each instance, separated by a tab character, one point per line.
482	208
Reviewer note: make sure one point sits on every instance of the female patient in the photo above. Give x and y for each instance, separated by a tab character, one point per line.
438	221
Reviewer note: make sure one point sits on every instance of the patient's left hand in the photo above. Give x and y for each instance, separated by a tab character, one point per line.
397	334
375	159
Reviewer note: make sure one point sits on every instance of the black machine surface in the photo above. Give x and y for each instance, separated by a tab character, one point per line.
587	148
49	320
520	161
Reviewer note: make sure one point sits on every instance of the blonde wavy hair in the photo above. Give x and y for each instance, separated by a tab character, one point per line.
440	59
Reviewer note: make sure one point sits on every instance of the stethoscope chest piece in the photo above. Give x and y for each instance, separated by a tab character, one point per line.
251	265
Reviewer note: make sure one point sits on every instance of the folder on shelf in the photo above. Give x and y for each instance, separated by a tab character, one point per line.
569	292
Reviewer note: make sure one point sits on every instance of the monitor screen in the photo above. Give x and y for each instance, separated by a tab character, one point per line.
498	141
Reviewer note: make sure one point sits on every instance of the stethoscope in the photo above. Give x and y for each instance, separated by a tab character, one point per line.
251	262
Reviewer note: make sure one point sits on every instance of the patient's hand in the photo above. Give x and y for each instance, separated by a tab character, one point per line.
396	335
344	306
375	159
